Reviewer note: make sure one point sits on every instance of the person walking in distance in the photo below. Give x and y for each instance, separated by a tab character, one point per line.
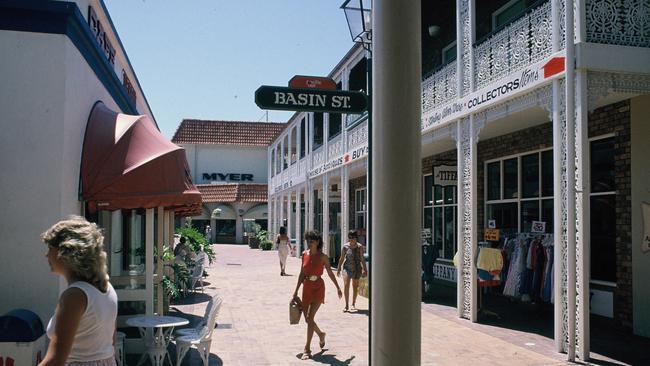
313	287
283	249
82	330
354	266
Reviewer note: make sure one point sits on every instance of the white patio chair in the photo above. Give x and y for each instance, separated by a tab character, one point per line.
197	276
201	341
119	348
196	329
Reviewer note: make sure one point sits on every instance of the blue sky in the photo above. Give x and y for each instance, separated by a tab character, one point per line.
204	59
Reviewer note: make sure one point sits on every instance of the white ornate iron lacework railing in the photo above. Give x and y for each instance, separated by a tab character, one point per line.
440	88
318	156
620	22
525	41
335	147
358	135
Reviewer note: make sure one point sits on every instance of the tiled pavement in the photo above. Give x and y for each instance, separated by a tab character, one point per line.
254	328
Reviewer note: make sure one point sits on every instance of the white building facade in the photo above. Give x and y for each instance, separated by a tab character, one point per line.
227	161
498	151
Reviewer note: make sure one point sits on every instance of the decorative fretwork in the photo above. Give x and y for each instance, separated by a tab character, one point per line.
561	243
527	40
358	136
466	276
599	84
335	147
440	88
318	156
466	54
620	22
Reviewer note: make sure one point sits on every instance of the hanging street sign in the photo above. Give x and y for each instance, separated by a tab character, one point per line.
312	82
311	100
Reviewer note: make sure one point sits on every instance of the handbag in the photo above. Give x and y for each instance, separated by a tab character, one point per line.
295	310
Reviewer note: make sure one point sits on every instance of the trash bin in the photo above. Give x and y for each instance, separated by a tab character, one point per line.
22	338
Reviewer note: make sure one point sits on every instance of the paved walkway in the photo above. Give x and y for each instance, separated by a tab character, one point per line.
254	328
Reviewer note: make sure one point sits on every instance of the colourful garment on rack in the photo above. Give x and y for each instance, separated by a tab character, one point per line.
490	260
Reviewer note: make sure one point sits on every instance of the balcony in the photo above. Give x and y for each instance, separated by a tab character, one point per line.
358	135
335	147
625	23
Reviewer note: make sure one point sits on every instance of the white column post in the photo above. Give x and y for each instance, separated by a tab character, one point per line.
345	203
289	212
148	249
326	214
159	263
395	337
298	233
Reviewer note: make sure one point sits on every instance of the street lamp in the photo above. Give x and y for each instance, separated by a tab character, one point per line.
358	15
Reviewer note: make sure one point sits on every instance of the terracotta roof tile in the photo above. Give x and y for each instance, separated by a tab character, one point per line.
233	192
194	131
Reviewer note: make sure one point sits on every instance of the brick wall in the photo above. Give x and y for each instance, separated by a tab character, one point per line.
614	118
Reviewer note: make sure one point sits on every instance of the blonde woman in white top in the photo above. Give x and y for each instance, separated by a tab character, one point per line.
283	249
82	330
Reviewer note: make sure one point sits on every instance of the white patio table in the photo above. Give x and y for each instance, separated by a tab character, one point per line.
156	333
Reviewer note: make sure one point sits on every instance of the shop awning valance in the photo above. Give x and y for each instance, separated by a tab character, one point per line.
127	163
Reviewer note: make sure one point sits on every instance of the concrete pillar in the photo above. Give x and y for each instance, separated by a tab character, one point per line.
396	163
326	214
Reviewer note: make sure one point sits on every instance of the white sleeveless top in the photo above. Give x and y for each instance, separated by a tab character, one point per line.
94	338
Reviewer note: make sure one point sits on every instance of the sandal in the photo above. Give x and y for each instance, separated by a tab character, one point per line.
305	355
322	341
345	309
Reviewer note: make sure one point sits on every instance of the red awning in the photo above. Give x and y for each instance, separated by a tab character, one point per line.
127	163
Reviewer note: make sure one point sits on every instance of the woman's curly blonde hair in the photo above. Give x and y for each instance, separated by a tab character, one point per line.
81	249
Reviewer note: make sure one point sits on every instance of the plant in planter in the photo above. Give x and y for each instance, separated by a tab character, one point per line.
195	239
253	240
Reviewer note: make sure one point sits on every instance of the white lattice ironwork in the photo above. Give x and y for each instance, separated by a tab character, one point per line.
358	135
440	88
561	243
527	40
620	22
318	156
466	55
335	147
599	84
466	276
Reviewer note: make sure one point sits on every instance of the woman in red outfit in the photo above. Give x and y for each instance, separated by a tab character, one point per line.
313	289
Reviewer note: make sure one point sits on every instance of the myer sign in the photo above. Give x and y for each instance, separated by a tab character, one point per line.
233	177
445	175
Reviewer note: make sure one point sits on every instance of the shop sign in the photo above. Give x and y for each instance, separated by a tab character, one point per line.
445	175
233	177
344	159
491	235
538	227
506	88
311	100
100	35
444	272
312	82
645	243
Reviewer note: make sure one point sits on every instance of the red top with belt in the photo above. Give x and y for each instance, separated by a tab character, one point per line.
312	291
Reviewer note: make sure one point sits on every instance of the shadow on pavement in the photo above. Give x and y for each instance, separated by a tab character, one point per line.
196	298
321	357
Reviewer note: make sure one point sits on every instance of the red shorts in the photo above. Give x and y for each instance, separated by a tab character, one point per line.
313	291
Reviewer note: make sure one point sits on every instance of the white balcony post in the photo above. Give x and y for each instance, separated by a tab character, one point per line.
326	214
289	148
298	139
345	203
395	321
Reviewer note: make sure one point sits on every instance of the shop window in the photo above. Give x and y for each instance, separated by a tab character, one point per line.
440	215
530	176
360	208
547	173
318	130
603	210
602	165
510	189
504	215
507	13
494	181
303	133
226	227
